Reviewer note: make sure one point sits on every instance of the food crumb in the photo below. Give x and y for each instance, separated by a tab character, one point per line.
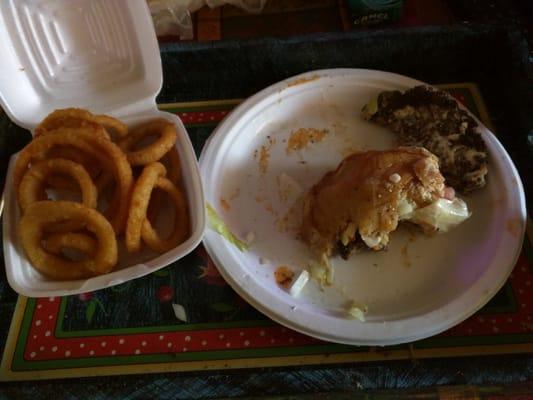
270	209
224	204
284	276
395	178
357	310
263	159
282	224
264	154
301	138
249	239
299	283
405	256
513	226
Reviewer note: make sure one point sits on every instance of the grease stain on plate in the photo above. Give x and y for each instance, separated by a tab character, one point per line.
264	154
301	81
225	202
513	226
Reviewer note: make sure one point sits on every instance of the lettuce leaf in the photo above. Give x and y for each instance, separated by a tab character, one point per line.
220	227
441	215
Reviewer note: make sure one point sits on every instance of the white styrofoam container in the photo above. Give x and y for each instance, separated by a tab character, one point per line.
101	55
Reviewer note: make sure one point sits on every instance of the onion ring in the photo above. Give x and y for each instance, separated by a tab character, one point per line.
103	181
70	153
103	125
105	151
61	183
55	243
173	164
181	221
70	118
154	151
94	155
34	181
119	129
171	160
73	154
140	198
40	214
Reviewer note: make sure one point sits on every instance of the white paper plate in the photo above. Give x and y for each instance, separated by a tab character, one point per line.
416	288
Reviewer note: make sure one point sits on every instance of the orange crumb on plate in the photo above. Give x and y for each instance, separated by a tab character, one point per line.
263	159
513	226
224	204
264	154
284	275
301	138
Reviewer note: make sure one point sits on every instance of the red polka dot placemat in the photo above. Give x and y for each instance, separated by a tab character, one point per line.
185	317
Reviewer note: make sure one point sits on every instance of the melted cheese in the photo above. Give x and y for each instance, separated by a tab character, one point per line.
359	197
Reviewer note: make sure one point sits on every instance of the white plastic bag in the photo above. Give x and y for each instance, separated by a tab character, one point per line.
173	17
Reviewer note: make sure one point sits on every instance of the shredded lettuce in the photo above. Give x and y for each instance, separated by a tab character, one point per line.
370	109
357	310
220	227
441	215
299	283
318	272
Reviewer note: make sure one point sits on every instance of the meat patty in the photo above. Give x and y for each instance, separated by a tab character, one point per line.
429	118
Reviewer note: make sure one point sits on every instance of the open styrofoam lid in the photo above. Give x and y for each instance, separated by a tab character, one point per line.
101	55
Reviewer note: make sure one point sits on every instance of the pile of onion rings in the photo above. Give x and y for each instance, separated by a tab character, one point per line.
107	182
